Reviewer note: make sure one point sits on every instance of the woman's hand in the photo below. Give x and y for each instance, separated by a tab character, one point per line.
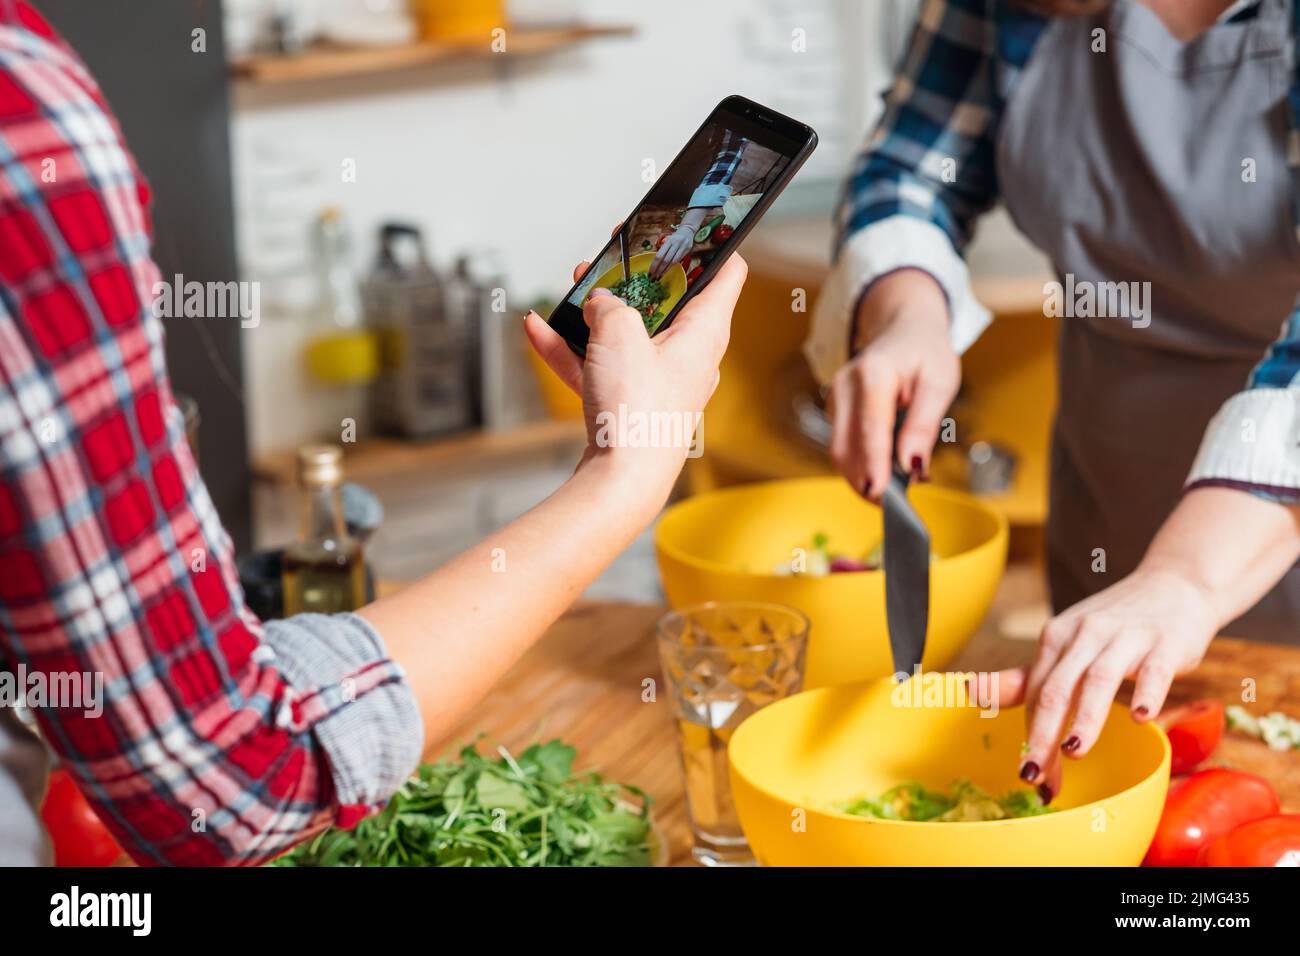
906	360
628	373
1216	555
674	250
678	244
1152	626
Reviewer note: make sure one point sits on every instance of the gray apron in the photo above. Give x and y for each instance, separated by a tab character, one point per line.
1127	166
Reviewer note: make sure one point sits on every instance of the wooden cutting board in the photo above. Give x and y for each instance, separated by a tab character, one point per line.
583	682
1230	667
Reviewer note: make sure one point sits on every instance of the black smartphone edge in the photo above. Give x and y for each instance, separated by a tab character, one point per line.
782	126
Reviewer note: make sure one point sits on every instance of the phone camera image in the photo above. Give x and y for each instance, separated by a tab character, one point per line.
690	220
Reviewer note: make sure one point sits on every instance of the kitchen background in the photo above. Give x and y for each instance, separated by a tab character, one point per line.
346	115
290	142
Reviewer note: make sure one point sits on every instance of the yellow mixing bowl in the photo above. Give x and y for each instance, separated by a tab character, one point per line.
796	758
727	544
674	279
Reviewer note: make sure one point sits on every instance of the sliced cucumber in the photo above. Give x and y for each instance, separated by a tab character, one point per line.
702	234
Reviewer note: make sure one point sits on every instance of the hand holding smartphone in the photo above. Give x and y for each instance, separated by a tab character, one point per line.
694	216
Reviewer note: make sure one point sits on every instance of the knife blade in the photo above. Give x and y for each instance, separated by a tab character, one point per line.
906	562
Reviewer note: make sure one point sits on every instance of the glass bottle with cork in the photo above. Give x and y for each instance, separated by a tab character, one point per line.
324	570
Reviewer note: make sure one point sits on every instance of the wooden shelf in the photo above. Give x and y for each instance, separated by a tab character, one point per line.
329	62
384	457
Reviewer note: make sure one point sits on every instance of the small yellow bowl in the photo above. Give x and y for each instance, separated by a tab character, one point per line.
674	279
797	758
726	545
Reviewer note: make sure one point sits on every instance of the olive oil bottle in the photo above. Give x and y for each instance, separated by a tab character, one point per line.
324	570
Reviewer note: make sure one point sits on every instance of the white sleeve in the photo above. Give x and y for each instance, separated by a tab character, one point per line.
709	195
1254	440
896	242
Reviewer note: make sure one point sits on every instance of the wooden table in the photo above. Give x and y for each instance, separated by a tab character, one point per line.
583	682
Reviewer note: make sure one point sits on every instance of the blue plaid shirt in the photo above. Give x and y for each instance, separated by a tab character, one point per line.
715	188
945	106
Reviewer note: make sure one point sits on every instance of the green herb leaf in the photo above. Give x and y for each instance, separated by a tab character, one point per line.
553	760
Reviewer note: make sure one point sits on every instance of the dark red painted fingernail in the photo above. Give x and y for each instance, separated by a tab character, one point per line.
918	469
1071	744
1140	712
866	489
1045	793
1029	771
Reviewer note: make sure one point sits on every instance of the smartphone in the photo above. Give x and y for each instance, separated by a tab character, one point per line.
694	216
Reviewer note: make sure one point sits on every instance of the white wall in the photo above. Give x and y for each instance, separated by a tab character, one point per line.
535	159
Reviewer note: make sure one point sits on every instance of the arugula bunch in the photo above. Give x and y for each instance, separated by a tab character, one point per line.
530	811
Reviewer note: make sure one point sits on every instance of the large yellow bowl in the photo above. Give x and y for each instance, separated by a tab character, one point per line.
674	279
726	545
796	758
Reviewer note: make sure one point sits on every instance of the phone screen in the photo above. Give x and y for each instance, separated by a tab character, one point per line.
694	215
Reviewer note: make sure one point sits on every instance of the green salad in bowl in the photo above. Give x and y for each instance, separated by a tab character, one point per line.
643	294
966	803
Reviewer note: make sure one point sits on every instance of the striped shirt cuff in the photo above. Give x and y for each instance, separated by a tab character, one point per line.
354	700
1253	443
897	242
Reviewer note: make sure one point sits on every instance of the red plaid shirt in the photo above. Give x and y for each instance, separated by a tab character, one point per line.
211	747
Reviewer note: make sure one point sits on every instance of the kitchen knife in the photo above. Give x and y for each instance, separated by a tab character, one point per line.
907	575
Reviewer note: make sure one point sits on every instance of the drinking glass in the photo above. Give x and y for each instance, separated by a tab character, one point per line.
723	661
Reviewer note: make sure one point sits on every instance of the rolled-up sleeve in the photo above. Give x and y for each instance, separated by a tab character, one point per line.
354	700
899	242
1253	442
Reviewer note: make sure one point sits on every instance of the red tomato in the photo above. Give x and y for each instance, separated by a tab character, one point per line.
1272	841
723	233
80	837
1205	806
1194	731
